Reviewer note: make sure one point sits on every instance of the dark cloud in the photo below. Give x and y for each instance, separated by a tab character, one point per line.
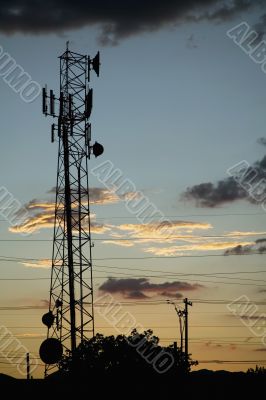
218	345
136	294
117	19
172	295
262	140
259	241
260	28
240	186
259	246
254	317
139	288
213	195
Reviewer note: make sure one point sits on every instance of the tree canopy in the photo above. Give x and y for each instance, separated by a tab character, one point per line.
137	353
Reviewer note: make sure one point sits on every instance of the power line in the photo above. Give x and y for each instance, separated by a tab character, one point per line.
179	273
177	216
136	238
145	303
198	301
16	363
214	340
19	357
174	275
231	361
146	276
6	258
189	280
12	259
135	313
151	326
189	215
145	268
23	279
191	326
176	257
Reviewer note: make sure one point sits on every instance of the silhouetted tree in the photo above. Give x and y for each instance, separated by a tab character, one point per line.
257	371
139	354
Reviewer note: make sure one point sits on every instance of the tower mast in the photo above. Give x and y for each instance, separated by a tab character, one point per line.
70	319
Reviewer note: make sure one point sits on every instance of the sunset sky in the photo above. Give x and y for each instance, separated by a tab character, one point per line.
176	105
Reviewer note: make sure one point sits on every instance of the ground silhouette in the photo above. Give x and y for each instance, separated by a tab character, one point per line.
123	367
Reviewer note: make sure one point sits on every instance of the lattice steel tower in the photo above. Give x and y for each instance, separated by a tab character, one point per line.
70	319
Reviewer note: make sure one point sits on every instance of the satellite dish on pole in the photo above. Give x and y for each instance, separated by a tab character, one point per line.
51	351
96	64
48	319
97	149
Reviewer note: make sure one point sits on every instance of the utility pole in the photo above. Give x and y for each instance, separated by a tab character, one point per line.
70	319
28	365
183	327
187	303
180	314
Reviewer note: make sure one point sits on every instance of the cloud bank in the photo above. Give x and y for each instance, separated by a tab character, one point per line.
41	213
228	190
118	19
259	246
141	288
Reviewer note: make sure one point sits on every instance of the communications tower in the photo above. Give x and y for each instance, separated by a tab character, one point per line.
70	319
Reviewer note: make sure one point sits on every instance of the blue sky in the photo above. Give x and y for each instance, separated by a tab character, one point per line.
170	115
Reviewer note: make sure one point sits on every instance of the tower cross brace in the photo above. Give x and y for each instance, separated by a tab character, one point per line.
70	319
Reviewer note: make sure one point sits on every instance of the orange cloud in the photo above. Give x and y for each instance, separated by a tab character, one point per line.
30	335
179	250
158	228
247	234
43	263
168	231
41	213
122	243
103	196
44	219
150	233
